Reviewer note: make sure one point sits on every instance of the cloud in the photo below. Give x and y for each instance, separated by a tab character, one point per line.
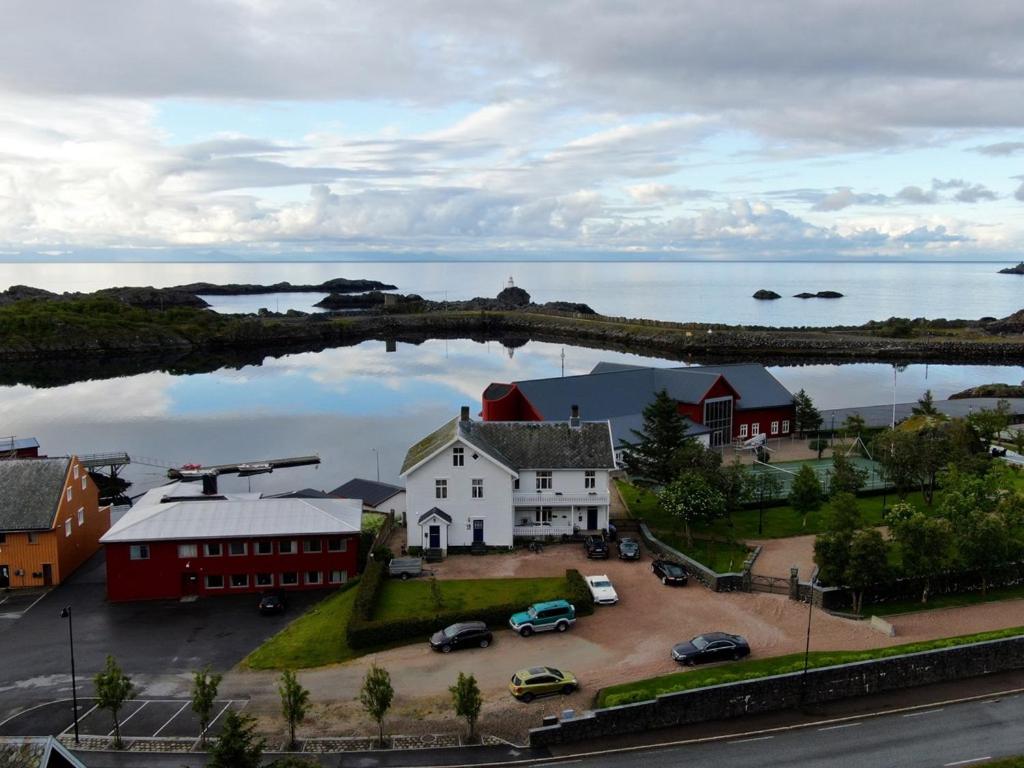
844	197
917	195
973	193
1002	149
1019	194
654	194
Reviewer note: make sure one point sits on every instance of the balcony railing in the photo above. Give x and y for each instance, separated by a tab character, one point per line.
540	531
554	499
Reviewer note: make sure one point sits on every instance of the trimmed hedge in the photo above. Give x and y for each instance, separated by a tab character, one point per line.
364	632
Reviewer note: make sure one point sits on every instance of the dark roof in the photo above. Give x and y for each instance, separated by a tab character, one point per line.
881	415
30	491
304	493
435	511
543	444
371	492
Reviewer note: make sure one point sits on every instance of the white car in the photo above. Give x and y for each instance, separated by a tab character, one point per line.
602	590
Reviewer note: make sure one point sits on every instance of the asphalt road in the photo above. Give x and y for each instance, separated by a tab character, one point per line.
157	643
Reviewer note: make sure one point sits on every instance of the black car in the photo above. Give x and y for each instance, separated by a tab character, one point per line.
270	604
714	646
629	549
596	547
669	572
463	635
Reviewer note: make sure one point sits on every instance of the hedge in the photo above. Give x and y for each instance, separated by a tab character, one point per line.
364	632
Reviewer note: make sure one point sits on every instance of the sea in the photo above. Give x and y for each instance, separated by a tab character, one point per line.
360	407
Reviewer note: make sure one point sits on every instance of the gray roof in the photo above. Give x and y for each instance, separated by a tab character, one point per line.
432	512
30	490
17	443
881	415
371	492
303	493
543	444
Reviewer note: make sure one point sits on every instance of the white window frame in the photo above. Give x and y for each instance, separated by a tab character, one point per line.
268	583
231	581
544	480
458	456
477	487
217	544
342	544
440	488
243	553
319	578
67	493
138	552
67	528
260	543
785	426
775	427
284	582
743	431
76	471
81	515
208	585
83	481
293	543
542	515
589	479
186	551
755	429
307	546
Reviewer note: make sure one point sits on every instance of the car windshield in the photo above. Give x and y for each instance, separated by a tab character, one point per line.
601	583
555	672
700	642
531	612
673	570
451	631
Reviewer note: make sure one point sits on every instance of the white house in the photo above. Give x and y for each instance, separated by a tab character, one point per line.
488	483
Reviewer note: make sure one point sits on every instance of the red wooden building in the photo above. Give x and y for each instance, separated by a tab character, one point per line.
180	546
720	403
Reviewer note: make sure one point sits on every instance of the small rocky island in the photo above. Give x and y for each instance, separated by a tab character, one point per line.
511	298
1018	270
764	295
819	295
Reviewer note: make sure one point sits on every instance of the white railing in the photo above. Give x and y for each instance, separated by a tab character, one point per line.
540	531
553	499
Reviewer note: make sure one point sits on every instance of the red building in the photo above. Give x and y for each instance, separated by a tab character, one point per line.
19	448
720	403
179	546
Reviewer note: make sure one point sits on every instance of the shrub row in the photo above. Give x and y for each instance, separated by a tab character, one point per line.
364	632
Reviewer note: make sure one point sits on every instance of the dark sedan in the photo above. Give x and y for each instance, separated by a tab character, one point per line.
714	646
270	604
629	549
467	634
595	547
669	572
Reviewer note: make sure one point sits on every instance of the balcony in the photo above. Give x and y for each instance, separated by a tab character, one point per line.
540	531
555	499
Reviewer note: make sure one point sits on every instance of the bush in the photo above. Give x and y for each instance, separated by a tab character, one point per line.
370	585
365	544
818	444
383	555
579	593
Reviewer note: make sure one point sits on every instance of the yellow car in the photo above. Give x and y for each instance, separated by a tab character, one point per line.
528	684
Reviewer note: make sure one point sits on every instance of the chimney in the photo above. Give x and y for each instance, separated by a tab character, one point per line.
209	485
574	417
464	416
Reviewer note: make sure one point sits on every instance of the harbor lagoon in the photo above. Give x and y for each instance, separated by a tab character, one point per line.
352	405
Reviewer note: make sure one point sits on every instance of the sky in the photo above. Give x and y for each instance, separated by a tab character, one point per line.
709	129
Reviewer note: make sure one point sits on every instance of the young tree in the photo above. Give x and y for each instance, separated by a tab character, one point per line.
652	458
985	546
989	422
832	548
805	492
897	452
854	424
867	565
926	546
294	703
807	417
690	499
237	746
845	476
734	482
467	700
204	694
925	405
376	696
113	689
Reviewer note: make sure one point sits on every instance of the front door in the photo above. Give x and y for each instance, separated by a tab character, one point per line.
47	575
435	536
189	584
591	518
478	531
5	576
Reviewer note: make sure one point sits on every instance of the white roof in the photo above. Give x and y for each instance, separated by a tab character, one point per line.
182	490
236	518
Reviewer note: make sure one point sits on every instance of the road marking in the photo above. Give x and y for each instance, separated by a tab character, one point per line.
157	732
756	738
965	762
80	719
844	725
133	714
926	712
36	601
215	719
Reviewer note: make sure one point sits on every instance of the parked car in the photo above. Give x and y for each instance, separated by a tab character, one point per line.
542	617
602	590
595	547
405	567
463	635
271	603
527	684
714	646
629	549
669	572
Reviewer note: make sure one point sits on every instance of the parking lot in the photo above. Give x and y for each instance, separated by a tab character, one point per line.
140	718
14	605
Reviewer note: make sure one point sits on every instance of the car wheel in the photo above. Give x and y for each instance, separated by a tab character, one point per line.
526	631
736	656
405	577
567	689
484	643
446	649
562	626
664	580
527	697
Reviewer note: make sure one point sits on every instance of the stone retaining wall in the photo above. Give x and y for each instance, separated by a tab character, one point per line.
716	582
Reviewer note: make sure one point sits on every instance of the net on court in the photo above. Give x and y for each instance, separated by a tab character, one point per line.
785	471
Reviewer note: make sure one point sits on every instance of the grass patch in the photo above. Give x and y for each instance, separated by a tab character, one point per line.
946	601
424	598
645	690
314	639
373	521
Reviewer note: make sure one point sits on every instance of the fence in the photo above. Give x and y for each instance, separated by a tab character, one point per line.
716	582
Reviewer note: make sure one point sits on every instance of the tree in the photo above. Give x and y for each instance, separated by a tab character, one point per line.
204	694
867	564
652	458
113	689
854	424
376	696
926	546
897	452
985	546
294	703
989	422
845	477
467	700
925	405
734	481
832	548
805	492
691	499
237	746
806	416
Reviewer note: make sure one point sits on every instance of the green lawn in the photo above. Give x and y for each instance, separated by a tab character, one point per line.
425	597
719	556
946	601
644	690
314	639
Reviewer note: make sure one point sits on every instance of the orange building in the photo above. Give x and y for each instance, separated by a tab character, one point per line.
50	520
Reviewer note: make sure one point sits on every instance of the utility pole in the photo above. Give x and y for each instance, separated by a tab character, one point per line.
376	455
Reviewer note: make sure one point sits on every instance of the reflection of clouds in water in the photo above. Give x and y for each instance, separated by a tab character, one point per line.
125	399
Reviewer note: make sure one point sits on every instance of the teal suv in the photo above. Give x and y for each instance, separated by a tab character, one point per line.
556	615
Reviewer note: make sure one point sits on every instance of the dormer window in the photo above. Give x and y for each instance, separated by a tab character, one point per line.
458	456
544	481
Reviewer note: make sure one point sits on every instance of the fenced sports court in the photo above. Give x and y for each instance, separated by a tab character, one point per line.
785	471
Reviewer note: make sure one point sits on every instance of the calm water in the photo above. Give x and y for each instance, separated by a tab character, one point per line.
684	291
342	403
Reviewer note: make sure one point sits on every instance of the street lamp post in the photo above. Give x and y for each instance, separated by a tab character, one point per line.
65	613
376	455
807	647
